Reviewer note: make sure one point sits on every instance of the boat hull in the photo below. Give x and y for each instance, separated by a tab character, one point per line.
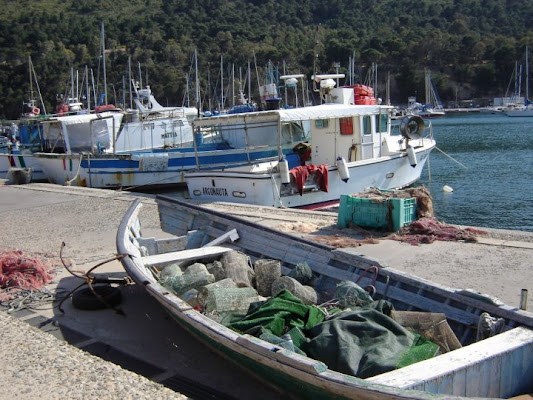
266	189
21	160
140	169
527	112
500	370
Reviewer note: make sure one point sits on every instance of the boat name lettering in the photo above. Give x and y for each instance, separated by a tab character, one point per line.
211	191
167	135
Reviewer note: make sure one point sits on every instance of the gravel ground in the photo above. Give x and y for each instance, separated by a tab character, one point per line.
35	365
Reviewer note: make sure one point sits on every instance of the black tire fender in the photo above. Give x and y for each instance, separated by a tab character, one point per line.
84	299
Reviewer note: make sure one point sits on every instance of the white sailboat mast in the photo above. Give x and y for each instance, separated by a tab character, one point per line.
31	78
527	74
32	72
221	85
197	99
249	83
103	64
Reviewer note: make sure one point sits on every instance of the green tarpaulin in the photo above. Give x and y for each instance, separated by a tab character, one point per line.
362	342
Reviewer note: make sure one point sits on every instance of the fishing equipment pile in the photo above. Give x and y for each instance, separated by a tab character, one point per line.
19	270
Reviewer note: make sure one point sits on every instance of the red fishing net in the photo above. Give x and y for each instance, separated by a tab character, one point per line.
427	230
23	271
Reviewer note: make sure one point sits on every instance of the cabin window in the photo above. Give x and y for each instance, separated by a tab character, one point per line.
346	126
383	122
367	125
321	123
294	132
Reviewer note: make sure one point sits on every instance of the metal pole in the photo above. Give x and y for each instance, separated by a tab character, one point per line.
523	299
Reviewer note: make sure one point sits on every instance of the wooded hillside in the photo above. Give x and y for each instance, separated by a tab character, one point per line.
470	46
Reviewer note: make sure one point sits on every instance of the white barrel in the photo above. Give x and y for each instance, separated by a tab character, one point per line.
343	169
283	166
412	156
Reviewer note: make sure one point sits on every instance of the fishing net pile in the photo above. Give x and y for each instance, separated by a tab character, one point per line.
427	230
424	201
19	271
300	227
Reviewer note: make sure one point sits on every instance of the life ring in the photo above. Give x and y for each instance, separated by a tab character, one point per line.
35	110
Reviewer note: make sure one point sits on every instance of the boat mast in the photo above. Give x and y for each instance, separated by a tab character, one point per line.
285	85
103	64
232	84
32	71
31	82
257	75
94	86
315	58
129	78
197	95
72	82
388	89
527	76
140	75
249	83
427	84
221	84
123	92
209	100
87	89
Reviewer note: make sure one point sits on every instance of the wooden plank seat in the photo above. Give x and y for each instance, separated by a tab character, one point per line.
185	255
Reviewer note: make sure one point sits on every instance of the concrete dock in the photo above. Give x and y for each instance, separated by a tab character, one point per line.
143	354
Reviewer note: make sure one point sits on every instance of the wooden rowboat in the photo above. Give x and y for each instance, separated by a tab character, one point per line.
499	366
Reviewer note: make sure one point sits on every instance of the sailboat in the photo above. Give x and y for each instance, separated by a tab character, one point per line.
24	136
432	108
527	109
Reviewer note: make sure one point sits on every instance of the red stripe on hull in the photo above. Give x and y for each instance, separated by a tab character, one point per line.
318	206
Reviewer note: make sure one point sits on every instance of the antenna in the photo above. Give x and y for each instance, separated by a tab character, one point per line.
315	58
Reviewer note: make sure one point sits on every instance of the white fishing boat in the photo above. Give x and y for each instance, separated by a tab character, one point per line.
485	348
150	148
347	148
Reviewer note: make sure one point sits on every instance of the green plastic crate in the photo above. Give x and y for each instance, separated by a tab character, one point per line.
362	212
403	212
390	214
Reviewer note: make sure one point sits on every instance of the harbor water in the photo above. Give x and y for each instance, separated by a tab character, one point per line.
494	186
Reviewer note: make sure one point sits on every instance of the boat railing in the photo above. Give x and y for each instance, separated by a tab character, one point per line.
429	130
